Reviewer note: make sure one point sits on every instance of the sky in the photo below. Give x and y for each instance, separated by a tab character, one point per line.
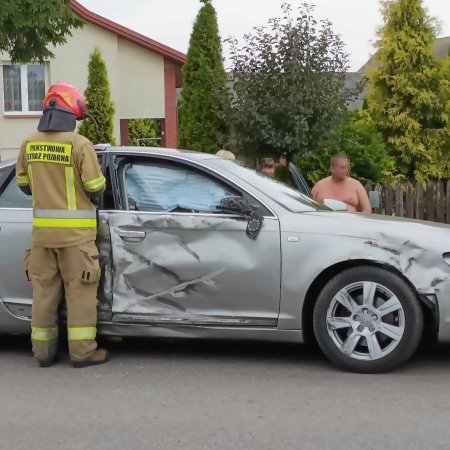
170	21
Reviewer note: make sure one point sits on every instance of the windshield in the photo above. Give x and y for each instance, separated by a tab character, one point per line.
281	193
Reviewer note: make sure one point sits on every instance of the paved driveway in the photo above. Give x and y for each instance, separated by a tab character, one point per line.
215	395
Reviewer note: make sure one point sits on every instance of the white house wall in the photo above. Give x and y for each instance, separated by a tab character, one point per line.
136	77
139	98
12	132
71	62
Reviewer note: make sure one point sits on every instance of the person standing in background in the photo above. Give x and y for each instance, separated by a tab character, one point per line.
340	186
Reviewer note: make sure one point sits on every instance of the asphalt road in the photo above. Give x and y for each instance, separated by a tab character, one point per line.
216	395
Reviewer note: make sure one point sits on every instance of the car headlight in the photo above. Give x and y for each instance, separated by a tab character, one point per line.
447	258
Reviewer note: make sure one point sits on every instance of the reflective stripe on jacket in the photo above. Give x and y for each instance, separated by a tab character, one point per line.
59	168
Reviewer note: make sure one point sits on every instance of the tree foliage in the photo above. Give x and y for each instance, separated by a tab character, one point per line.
28	27
98	101
144	132
409	92
204	79
288	85
357	138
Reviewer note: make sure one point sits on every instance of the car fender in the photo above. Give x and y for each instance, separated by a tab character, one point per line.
306	260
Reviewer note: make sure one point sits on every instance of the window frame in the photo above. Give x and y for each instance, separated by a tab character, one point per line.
119	162
24	88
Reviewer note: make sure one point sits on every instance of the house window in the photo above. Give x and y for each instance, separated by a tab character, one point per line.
24	87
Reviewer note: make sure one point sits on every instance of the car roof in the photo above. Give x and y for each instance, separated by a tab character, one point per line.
188	155
156	151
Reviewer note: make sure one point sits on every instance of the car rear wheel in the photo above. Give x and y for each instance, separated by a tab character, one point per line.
368	320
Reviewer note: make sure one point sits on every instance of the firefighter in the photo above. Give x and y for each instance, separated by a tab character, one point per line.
59	168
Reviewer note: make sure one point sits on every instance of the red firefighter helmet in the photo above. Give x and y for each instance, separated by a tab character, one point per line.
65	97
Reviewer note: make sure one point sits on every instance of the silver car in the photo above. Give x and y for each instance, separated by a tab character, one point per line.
195	246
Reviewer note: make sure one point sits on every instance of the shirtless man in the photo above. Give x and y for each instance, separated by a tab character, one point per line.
340	186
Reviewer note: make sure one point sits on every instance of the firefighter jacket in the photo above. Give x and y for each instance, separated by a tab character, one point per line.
59	167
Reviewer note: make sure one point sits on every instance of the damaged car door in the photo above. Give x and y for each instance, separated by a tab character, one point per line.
179	258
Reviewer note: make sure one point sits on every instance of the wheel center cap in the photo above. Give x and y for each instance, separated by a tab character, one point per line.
365	318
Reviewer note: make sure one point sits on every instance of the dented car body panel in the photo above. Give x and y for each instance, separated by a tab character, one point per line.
198	274
396	244
195	269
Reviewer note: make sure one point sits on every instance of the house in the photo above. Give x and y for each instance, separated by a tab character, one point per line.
352	79
144	76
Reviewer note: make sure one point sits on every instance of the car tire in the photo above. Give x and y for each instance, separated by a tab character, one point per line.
368	320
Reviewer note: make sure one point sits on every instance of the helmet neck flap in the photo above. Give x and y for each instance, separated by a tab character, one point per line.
57	120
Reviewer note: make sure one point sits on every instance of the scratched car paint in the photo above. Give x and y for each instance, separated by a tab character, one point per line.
176	264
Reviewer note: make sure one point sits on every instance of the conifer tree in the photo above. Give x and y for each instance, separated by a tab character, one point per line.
200	107
409	95
144	132
98	101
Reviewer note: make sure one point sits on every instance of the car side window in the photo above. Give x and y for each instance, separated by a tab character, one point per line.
162	187
12	197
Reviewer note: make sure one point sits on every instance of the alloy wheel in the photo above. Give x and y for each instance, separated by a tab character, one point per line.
365	320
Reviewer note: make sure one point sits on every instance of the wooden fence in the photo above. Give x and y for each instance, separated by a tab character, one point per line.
431	202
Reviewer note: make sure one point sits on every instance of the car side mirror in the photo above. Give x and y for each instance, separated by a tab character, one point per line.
241	206
236	204
335	205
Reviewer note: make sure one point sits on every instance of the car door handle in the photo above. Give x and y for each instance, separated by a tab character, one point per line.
132	235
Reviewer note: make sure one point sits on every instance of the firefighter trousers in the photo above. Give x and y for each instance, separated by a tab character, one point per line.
75	272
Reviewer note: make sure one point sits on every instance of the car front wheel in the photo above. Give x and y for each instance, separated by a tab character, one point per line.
368	320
